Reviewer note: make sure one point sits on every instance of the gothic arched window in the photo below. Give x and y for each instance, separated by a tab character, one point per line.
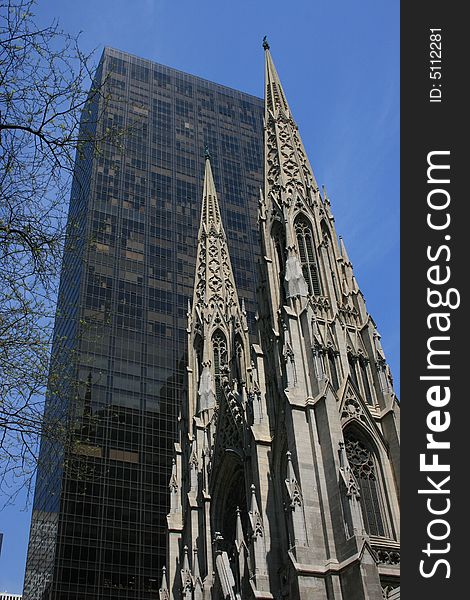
333	369
279	244
198	349
303	232
352	369
326	235
363	464
365	379
219	345
239	360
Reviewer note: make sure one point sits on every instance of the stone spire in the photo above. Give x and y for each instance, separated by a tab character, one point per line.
210	204
239	537
198	586
164	593
295	505
174	488
289	184
186	578
274	93
215	284
344	254
215	309
349	282
282	134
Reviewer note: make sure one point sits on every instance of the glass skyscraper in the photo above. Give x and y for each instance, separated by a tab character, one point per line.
99	516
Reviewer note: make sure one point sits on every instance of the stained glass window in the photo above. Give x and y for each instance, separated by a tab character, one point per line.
363	465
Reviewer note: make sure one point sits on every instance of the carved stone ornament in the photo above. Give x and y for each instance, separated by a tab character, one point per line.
173	485
288	353
229	428
352	487
352	409
387	556
360	459
257	525
387	591
295	493
255	516
193	461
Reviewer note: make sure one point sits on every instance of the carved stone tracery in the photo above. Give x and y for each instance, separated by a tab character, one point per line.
360	459
386	556
388	589
352	409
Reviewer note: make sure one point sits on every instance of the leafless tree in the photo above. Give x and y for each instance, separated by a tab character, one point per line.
45	89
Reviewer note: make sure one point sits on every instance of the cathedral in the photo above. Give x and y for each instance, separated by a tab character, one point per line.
285	478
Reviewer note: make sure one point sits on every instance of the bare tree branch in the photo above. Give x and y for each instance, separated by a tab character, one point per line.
51	113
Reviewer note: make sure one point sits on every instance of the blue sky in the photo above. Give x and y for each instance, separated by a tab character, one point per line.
339	64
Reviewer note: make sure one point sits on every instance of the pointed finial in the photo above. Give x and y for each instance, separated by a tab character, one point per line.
265	43
261	201
173	484
254	503
196	573
239	528
207	154
205	444
164	586
290	467
193	458
342	249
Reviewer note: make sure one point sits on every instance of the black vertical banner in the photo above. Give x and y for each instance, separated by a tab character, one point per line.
435	264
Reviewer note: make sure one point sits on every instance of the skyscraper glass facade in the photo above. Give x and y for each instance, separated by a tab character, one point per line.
99	526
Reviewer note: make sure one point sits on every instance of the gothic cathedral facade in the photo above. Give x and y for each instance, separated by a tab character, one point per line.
285	481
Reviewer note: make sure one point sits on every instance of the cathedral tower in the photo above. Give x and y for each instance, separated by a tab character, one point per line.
285	480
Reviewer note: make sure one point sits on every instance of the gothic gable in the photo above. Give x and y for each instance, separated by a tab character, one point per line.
352	408
230	427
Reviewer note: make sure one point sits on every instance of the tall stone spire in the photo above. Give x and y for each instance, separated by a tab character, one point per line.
215	305
314	304
274	93
215	284
284	152
289	187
